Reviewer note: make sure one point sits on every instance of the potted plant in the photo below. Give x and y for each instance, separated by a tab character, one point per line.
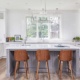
21	38
77	39
12	39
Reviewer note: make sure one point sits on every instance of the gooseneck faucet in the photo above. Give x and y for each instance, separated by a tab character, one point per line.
25	40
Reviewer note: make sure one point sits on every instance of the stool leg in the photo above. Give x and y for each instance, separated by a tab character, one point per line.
16	67
27	69
25	66
61	65
37	77
47	66
70	67
58	66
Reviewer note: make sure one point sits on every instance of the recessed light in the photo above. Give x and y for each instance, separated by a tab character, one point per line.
29	8
7	3
57	8
26	3
60	3
76	3
42	8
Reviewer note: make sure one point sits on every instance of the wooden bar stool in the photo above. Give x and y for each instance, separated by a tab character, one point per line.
21	55
42	55
65	55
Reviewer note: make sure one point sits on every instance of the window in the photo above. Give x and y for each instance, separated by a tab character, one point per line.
47	27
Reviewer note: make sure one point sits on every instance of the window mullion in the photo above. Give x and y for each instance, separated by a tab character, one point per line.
48	30
37	29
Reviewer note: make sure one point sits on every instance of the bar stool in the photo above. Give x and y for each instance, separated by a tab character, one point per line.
65	55
21	55
42	55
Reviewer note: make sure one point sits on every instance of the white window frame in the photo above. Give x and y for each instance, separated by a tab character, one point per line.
49	39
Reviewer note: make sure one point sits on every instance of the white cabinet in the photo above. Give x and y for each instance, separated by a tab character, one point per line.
2	32
2	50
2	26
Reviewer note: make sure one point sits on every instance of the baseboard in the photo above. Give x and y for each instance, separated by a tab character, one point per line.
4	57
0	57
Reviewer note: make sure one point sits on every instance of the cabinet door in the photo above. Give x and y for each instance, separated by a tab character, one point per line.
4	50
2	28
78	45
0	50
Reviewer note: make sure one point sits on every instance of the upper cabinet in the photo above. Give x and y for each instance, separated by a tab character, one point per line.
2	26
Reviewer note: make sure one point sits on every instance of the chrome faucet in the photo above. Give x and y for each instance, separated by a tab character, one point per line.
25	40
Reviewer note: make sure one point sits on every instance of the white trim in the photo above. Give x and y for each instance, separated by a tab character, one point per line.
4	57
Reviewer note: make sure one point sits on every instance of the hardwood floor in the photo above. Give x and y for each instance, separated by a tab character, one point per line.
22	76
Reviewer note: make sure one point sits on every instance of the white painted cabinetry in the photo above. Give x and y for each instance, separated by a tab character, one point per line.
2	50
2	26
2	32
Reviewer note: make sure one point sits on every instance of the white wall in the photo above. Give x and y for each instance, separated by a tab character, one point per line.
17	25
69	24
78	29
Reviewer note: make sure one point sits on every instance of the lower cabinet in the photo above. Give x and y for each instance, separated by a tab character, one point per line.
78	45
2	50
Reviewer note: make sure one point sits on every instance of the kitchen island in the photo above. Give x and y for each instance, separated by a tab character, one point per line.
53	62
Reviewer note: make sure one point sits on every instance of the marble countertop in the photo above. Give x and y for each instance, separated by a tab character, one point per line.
46	42
41	46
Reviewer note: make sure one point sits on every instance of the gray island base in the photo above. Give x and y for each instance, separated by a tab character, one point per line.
53	62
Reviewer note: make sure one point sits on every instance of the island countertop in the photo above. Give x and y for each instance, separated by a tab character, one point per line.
41	46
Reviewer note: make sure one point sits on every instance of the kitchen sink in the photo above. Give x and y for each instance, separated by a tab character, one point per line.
60	45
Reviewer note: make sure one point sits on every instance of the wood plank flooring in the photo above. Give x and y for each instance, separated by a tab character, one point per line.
21	76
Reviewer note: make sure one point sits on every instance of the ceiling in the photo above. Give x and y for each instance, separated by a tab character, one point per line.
40	4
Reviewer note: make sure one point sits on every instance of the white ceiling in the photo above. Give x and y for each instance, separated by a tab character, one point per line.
39	4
